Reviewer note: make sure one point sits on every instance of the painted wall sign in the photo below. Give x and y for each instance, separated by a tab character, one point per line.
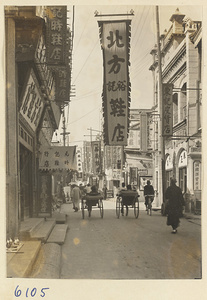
115	37
32	102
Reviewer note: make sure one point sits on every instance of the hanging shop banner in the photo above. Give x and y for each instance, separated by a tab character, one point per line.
32	102
167	117
58	158
96	157
115	37
62	86
56	28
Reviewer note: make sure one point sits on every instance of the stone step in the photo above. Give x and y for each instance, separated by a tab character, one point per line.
43	231
20	264
59	217
58	234
28	227
48	262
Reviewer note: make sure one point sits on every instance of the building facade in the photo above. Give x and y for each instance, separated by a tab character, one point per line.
181	57
33	107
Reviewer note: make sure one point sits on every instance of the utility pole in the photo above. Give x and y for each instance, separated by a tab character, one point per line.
162	139
64	130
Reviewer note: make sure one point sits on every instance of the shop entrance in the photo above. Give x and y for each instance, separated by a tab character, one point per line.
26	199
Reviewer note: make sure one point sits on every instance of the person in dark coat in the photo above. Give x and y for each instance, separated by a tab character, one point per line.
148	190
175	204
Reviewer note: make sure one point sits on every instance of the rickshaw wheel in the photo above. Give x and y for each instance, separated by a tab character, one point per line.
82	208
136	208
101	208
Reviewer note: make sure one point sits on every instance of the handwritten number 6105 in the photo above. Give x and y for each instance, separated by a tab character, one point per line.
31	293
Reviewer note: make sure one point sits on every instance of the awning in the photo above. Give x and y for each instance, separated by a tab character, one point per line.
58	158
135	164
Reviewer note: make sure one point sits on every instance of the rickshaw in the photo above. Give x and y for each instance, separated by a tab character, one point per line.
127	199
90	201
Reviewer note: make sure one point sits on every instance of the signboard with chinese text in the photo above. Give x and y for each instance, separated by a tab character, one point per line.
32	102
45	195
56	34
197	175
96	157
167	116
115	36
183	159
58	158
62	86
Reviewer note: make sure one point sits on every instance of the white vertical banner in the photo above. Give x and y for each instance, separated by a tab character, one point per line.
115	36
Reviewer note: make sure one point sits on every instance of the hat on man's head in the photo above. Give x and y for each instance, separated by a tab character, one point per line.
173	180
93	188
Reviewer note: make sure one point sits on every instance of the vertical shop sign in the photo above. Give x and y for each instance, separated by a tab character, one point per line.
45	194
197	175
62	86
32	102
96	152
56	34
167	117
115	37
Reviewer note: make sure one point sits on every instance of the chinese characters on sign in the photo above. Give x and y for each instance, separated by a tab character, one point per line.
167	116
56	34
96	152
58	158
32	104
62	84
115	37
45	195
197	174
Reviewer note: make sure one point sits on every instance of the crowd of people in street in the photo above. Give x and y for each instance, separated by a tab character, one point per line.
174	201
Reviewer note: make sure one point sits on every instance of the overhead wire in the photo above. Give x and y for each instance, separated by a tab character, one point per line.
84	115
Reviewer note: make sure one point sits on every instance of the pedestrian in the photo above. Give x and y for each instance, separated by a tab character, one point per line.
175	200
94	192
148	190
105	192
76	196
88	188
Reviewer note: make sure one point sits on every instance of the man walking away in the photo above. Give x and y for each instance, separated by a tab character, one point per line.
175	203
76	196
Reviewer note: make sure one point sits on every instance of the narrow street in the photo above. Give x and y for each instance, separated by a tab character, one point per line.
129	248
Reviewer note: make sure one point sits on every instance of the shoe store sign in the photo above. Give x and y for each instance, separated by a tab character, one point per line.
115	37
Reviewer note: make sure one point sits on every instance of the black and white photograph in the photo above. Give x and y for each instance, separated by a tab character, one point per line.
102	158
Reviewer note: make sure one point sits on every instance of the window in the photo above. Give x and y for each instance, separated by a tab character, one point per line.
183	179
183	102
175	108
